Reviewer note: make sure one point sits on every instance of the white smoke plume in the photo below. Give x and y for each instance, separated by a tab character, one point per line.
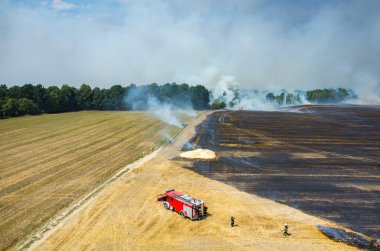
139	98
368	95
226	89
189	112
163	111
167	136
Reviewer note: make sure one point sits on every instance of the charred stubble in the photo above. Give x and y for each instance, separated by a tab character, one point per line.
324	161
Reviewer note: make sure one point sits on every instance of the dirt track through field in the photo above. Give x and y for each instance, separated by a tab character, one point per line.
49	162
126	215
49	228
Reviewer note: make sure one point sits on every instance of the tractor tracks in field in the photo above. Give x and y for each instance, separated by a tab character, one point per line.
337	155
276	141
50	227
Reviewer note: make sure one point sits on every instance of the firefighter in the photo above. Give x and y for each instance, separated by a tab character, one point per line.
232	221
286	233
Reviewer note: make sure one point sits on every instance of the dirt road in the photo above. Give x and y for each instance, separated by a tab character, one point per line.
126	216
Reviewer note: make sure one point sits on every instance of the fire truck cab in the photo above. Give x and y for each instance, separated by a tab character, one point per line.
183	204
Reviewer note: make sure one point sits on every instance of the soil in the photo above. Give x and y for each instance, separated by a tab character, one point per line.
127	216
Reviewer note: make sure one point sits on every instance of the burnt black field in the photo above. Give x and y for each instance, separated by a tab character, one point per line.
323	160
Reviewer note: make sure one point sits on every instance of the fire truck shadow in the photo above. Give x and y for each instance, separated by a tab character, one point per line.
207	216
204	218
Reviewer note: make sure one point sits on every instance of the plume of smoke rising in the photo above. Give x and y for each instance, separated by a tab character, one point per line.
189	112
188	146
368	95
303	99
167	136
227	90
254	100
139	98
163	111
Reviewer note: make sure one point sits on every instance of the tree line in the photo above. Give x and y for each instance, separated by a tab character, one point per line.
319	96
297	97
36	99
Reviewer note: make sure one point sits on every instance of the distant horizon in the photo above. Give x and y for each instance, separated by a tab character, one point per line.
160	84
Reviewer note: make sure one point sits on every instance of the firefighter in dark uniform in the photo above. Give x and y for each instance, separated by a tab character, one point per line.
286	229
232	221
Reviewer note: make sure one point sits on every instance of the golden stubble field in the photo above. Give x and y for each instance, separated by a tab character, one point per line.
127	216
48	162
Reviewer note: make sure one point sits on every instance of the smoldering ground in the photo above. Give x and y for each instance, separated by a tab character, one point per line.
293	158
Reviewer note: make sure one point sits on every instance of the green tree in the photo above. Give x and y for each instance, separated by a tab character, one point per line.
115	98
27	91
270	97
3	96
84	97
98	99
200	97
26	106
216	105
290	99
2	112
153	89
329	95
183	88
168	92
280	99
53	95
67	98
10	108
39	98
14	92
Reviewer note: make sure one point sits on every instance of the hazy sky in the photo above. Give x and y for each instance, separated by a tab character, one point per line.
262	44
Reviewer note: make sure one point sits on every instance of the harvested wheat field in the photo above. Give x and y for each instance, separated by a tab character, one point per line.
126	215
49	162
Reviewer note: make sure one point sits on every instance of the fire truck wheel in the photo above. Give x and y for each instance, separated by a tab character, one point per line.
166	206
182	213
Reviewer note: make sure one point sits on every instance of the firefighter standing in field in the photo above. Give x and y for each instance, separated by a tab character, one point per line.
286	229
232	221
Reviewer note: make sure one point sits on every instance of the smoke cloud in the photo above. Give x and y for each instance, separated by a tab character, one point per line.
262	44
164	112
139	98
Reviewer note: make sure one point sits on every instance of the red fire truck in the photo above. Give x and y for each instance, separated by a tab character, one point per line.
184	204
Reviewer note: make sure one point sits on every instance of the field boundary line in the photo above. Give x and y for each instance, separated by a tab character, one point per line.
41	234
